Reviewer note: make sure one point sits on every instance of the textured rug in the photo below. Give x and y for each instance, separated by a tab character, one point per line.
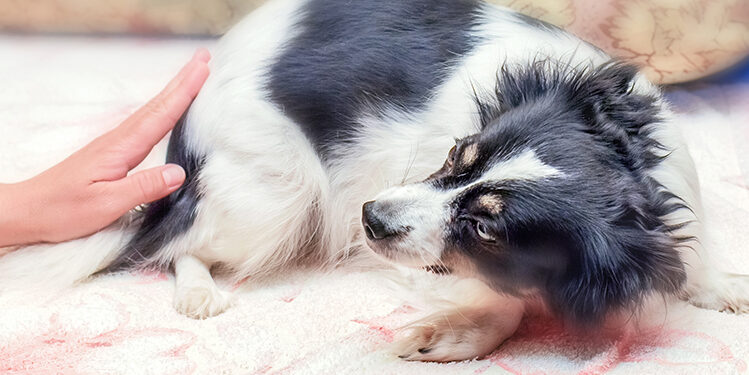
58	93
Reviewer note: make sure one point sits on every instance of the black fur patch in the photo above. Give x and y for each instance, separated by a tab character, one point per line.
170	216
593	240
357	55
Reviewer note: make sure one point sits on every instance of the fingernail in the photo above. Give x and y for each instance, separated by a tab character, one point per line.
202	54
173	175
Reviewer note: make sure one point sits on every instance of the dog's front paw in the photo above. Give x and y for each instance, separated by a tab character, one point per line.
200	302
723	292
455	336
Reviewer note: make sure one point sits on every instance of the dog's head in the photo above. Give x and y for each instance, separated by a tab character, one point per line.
552	197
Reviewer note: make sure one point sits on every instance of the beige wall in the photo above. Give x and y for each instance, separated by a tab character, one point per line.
674	40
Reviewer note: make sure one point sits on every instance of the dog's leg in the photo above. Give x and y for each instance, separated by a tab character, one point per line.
480	322
706	286
711	289
196	294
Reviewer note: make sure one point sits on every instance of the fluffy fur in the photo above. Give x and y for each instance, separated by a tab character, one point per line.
568	181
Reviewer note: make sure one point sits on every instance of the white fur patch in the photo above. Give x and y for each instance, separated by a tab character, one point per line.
525	166
424	210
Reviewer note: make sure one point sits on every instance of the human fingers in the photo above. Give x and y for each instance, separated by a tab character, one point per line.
144	129
200	55
143	187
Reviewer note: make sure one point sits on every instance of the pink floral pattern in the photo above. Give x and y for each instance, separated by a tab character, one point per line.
674	41
599	354
64	349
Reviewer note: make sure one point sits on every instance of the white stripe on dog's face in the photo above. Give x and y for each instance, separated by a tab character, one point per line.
525	166
416	217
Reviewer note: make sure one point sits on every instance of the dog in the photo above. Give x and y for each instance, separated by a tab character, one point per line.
447	134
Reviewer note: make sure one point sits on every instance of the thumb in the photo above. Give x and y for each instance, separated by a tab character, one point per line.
148	185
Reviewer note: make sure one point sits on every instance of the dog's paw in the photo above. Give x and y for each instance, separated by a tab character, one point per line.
454	336
200	302
725	292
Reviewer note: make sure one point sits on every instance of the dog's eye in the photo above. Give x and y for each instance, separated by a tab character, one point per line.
451	156
483	232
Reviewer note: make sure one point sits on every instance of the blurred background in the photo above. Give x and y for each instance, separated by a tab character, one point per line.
674	40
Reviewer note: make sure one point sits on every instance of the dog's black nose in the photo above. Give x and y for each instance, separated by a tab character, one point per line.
374	227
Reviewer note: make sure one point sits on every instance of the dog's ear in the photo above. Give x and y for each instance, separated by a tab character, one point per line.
612	78
635	254
606	94
609	92
622	113
619	109
616	266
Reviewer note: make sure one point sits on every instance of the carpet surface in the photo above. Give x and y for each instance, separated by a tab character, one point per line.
58	93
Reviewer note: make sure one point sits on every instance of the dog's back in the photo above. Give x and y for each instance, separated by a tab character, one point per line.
341	60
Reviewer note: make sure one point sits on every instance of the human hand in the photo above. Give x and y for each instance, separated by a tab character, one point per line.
91	188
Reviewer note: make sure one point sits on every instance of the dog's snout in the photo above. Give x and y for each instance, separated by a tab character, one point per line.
374	225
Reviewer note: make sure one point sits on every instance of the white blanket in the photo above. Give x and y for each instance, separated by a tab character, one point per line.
57	93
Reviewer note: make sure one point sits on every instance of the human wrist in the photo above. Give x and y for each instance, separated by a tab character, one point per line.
16	215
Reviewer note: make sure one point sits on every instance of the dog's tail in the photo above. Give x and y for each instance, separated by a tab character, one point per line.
169	217
50	267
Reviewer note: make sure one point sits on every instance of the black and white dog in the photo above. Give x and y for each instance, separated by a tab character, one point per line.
445	133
